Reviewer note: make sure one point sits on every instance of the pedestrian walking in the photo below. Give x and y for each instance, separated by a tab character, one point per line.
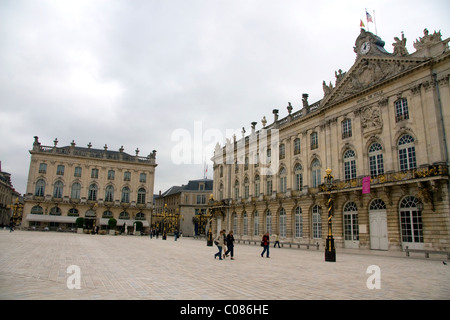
230	244
277	241
219	242
265	243
175	234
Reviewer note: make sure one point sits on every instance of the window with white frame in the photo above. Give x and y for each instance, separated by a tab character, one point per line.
269	221
58	189
298	223
40	188
316	178
346	128
298	177
282	223
407	153
349	165
283	179
75	193
401	109
376	165
297	146
109	193
316	222
255	223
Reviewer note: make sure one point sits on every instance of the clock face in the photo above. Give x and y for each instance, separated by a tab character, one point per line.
365	47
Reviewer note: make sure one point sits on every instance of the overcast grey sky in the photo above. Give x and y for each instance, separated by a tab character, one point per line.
130	73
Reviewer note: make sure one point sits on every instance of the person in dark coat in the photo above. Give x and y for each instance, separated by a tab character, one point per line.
230	244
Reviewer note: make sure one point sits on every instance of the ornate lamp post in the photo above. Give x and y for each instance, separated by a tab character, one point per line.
330	250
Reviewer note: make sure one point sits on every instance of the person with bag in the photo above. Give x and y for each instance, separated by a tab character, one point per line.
230	244
265	243
219	242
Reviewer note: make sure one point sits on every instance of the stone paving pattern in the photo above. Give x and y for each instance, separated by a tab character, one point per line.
33	265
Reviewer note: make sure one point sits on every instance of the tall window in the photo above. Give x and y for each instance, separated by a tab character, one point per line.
141	196
282	149
351	226
257	186
282	222
92	192
298	223
221	192
283	178
346	128
297	146
42	168
349	165
245	224
94	173
40	188
315	173
111	174
127	176
75	193
268	221
246	188
236	189
60	170
411	220
316	222
125	195
256	223
235	222
77	172
269	185
314	141
143	177
58	189
376	164
407	153
401	109
298	172
109	194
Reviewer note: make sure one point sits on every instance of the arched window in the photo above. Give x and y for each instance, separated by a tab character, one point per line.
107	214
316	222
315	173
37	210
406	153
141	196
376	164
245	224
411	220
298	222
73	212
124	215
268	221
236	189
377	204
55	211
349	165
92	192
125	195
235	222
351	226
75	193
256	223
298	172
257	186
282	223
40	188
109	193
140	216
283	178
58	189
246	188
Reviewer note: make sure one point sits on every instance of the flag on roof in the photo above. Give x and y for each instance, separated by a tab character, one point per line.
361	24
368	17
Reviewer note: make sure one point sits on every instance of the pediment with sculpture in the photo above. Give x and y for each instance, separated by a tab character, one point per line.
374	65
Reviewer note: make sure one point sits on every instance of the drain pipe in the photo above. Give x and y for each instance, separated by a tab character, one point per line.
442	116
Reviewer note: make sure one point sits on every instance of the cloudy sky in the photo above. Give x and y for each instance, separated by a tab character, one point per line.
139	73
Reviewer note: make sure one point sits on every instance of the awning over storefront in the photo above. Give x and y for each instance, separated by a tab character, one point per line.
50	218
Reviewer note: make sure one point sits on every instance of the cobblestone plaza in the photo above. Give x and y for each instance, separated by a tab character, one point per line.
34	265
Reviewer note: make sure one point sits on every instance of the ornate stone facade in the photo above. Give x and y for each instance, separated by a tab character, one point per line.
387	118
65	183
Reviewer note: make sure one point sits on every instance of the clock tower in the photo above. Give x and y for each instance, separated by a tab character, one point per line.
368	44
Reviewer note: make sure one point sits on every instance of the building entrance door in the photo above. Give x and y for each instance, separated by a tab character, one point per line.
378	230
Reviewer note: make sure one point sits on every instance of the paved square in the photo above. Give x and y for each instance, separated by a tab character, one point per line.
33	265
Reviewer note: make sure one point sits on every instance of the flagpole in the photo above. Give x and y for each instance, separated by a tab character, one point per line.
367	21
375	22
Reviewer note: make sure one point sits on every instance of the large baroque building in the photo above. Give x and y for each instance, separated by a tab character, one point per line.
68	182
382	128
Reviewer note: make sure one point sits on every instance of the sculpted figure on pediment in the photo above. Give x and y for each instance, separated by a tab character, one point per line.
400	46
427	39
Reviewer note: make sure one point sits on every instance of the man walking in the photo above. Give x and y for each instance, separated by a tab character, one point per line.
230	244
265	242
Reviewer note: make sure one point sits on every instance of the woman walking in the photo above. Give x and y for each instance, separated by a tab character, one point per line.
230	244
219	242
265	242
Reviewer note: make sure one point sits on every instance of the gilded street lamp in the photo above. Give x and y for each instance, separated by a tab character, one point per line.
330	250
